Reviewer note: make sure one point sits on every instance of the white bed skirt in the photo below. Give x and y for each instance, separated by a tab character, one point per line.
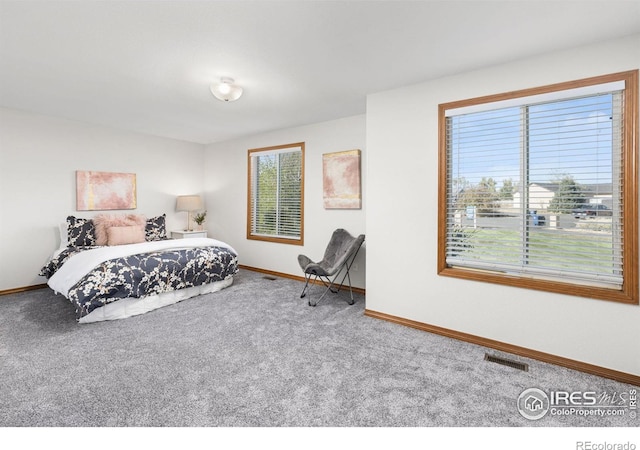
128	307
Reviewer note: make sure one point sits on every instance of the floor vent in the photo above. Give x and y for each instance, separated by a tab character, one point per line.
506	362
269	277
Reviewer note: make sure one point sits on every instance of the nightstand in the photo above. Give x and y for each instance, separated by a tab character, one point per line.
188	234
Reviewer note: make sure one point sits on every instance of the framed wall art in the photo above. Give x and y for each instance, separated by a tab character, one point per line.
341	180
98	191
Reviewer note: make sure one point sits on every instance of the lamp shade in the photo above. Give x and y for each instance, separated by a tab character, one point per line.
188	203
226	90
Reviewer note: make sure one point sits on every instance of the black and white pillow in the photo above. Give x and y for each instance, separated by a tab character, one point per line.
156	229
80	232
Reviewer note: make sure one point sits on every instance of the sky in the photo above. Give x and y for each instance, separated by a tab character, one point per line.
569	137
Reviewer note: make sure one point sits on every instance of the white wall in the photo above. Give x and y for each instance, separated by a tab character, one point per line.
226	193
402	280
38	159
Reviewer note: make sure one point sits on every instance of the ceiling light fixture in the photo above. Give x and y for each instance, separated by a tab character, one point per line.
226	90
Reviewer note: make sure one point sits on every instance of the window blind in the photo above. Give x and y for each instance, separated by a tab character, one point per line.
276	193
534	187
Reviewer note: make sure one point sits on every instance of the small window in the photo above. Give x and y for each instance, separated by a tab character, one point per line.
276	193
539	188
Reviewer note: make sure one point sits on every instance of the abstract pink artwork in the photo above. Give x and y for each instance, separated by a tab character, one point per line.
341	180
97	191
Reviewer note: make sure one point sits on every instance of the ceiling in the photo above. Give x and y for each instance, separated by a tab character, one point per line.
146	66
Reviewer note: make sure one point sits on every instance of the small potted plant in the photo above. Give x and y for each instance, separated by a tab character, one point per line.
199	219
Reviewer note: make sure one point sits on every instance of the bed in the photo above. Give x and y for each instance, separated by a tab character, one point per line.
115	267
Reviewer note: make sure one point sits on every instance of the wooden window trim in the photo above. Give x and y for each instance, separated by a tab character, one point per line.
279	240
629	292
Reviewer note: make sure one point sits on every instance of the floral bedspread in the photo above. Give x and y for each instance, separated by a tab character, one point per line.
144	274
57	261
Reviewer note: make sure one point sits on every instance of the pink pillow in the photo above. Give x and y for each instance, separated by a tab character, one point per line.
132	234
103	222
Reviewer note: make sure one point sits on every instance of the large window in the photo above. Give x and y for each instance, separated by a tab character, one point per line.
275	194
539	188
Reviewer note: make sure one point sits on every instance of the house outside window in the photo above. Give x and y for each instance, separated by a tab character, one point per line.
275	209
539	188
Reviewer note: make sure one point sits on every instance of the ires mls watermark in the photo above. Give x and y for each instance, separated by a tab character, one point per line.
534	403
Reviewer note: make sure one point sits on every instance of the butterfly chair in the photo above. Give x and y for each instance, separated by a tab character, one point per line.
338	258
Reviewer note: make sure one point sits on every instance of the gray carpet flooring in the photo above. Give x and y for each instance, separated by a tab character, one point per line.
255	355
